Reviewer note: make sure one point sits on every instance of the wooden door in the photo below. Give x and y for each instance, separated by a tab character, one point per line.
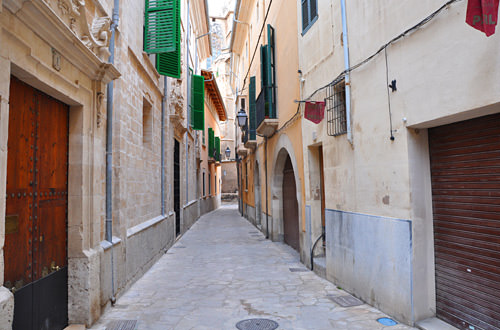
465	168
177	188
36	210
290	207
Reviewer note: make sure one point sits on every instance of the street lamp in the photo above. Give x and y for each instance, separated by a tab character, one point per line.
228	152
242	115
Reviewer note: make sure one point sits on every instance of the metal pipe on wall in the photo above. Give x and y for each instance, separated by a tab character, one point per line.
347	75
188	94
163	106
109	147
267	202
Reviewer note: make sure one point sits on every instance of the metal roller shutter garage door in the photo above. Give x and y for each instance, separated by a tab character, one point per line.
465	171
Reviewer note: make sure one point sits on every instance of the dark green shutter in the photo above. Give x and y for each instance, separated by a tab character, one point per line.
168	63
252	114
271	71
211	142
198	102
162	26
263	65
217	148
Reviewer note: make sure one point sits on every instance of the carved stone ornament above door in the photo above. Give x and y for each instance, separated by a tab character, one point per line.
92	27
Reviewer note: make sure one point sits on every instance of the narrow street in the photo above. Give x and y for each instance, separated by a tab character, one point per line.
223	271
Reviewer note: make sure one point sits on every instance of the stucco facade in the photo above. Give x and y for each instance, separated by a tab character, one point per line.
267	214
56	49
377	190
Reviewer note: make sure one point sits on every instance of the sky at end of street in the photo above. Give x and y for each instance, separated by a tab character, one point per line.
216	7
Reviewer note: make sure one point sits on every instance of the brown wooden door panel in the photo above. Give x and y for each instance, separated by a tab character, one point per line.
51	236
290	207
465	163
17	249
36	210
53	135
20	143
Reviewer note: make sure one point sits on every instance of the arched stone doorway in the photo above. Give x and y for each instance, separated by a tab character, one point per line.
290	207
285	177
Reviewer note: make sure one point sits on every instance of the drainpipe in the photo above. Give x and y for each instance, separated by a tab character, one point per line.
267	207
188	31
163	106
347	75
109	148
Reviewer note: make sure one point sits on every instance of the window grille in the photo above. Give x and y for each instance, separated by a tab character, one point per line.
336	109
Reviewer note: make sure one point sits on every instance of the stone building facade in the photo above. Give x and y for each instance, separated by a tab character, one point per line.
57	52
220	64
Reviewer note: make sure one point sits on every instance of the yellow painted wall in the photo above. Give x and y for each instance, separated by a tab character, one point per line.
286	55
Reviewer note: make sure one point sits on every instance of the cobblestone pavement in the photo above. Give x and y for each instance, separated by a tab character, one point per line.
223	271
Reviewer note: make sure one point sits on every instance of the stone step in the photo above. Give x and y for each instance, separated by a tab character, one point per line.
320	266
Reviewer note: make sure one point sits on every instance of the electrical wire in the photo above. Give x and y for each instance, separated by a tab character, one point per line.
352	68
368	59
257	44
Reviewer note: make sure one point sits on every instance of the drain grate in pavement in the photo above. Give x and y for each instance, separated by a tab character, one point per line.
122	325
298	270
179	247
257	324
346	301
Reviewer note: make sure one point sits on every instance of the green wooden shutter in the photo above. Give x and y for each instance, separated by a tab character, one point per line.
168	63
217	148
211	142
162	26
271	71
252	114
198	102
263	65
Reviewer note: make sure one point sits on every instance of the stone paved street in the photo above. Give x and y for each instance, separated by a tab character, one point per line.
223	271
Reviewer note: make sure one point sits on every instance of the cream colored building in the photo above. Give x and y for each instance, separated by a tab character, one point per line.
406	201
58	52
220	64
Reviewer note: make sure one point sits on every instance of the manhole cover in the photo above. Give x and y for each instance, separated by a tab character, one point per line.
298	270
257	324
122	325
346	301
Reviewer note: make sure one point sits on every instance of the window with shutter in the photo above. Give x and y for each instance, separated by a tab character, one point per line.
217	148
162	26
268	74
252	114
168	62
198	102
309	14
271	72
211	142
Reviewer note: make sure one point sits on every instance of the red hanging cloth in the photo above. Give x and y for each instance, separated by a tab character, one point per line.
315	111
483	15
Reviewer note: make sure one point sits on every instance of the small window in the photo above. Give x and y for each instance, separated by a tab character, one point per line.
147	124
204	194
309	14
336	109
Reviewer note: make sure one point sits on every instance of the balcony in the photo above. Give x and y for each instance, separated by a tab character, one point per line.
242	151
249	138
267	123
